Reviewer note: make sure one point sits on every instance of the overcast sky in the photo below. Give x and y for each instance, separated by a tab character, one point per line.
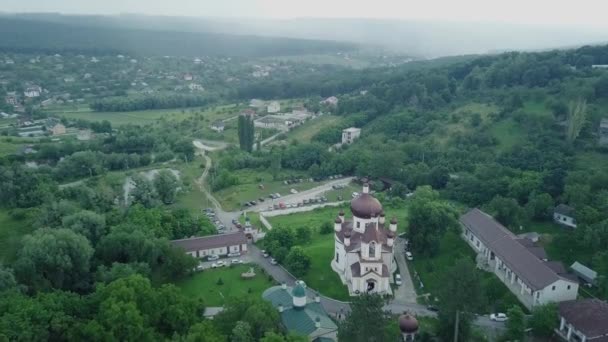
543	12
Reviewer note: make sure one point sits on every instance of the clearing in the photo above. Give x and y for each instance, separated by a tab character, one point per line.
305	132
204	284
11	232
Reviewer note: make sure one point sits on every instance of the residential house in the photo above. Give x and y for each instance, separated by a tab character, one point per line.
300	314
195	87
32	91
188	77
58	129
349	135
331	101
564	214
274	107
221	244
270	121
583	272
84	135
218	126
518	263
584	320
603	132
11	98
255	103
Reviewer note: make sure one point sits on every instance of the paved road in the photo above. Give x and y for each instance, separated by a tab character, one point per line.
406	293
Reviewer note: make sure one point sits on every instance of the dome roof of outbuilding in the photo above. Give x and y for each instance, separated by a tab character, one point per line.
365	206
298	290
408	324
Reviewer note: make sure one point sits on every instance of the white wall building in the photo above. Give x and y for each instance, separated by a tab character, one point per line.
274	107
363	255
221	244
349	135
564	215
534	281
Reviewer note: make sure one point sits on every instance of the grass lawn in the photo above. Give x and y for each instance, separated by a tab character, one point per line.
204	284
248	189
11	231
305	132
7	148
591	160
508	134
430	271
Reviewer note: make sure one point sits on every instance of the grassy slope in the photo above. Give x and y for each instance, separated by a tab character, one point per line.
204	284
305	132
11	231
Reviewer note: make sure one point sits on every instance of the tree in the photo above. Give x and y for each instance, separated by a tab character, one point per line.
261	316
539	206
366	321
246	132
7	279
543	320
326	228
303	235
577	113
241	332
506	211
57	258
516	325
166	184
87	223
204	332
297	261
144	192
428	220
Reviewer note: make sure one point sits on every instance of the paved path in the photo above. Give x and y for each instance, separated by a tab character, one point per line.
406	293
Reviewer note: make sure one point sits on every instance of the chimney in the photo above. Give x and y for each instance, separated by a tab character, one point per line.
366	188
317	297
382	218
341	214
280	308
393	226
338	224
284	286
317	322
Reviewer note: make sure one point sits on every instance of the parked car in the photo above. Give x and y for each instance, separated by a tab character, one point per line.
355	194
213	257
278	195
432	308
218	264
276	206
265	254
282	205
409	256
306	201
236	261
238	225
199	267
499	317
398	279
273	261
234	254
293	191
253	202
261	199
235	221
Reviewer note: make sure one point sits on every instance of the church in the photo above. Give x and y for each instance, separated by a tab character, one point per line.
363	255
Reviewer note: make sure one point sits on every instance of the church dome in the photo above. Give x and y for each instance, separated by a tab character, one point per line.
408	324
365	206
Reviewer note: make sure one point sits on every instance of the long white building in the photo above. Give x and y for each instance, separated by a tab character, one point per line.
518	263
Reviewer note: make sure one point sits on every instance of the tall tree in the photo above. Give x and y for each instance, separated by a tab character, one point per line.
367	320
166	184
577	113
516	325
543	320
241	332
297	261
246	132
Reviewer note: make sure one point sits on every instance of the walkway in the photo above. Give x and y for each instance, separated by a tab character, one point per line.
406	293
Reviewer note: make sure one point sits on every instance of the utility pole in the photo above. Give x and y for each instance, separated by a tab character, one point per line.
456	326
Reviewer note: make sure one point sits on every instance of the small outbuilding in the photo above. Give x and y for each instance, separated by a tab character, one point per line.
583	272
564	215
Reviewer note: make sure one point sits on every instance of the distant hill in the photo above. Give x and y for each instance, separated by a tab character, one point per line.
38	35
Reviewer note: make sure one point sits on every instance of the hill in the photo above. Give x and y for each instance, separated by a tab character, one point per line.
37	35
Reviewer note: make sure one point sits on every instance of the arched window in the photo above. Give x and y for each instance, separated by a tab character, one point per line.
372	250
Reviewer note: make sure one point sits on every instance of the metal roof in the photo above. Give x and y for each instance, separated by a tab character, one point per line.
212	241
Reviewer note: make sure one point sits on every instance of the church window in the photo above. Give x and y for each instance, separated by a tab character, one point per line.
337	257
358	224
372	250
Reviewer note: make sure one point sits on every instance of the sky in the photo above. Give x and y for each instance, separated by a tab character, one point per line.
579	13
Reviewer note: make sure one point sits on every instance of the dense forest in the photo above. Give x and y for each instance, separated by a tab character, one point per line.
41	36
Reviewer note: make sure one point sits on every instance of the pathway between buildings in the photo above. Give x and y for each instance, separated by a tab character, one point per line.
406	293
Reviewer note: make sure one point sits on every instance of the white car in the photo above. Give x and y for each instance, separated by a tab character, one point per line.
355	194
409	256
265	254
398	279
199	267
218	264
293	191
273	261
213	257
234	254
236	261
499	317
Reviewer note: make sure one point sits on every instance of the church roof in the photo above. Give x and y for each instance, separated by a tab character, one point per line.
371	233
355	270
365	206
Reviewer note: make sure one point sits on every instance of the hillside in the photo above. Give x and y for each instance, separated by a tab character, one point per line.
41	36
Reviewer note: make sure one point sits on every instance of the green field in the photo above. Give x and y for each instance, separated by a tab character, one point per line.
11	232
7	148
204	284
305	132
508	134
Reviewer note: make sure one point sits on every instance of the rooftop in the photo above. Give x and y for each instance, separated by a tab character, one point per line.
212	241
532	270
565	210
590	316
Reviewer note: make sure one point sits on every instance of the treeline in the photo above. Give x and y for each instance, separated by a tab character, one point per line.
41	36
133	103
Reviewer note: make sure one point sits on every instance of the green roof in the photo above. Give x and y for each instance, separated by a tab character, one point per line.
299	291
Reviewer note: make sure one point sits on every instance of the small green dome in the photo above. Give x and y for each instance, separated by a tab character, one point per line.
298	290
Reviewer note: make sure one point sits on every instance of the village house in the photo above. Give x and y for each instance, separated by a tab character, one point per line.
518	263
364	246
218	126
32	91
195	87
255	103
274	107
57	129
188	77
221	244
11	98
331	101
584	320
301	315
564	215
349	135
